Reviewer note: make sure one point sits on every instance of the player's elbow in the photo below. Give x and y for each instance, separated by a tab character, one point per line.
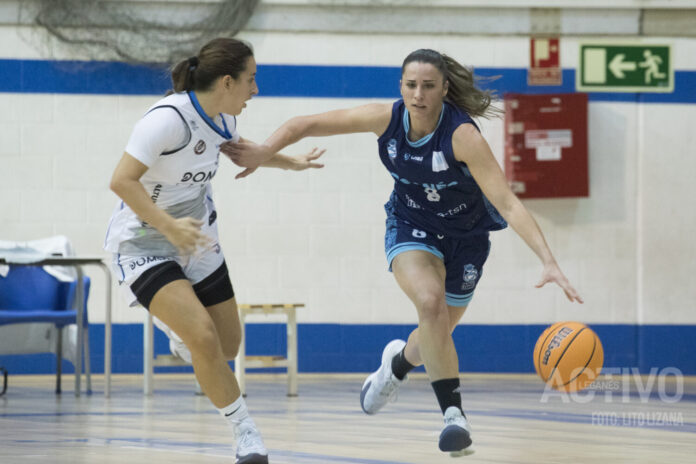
118	185
507	205
297	128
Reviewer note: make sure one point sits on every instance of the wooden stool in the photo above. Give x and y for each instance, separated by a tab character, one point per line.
243	362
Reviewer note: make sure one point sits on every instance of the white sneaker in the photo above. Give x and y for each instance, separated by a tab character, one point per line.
382	386
456	435
250	447
176	345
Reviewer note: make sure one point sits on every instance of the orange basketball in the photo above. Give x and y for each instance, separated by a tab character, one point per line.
568	356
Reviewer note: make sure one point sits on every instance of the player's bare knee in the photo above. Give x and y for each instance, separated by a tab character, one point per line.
432	308
202	338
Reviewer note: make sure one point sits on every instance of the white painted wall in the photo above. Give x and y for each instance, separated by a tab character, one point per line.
317	237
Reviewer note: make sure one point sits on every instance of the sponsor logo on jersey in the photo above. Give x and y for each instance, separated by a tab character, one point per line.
439	162
412	204
452	211
193	124
201	176
391	149
470	277
156	193
199	148
410	157
212	217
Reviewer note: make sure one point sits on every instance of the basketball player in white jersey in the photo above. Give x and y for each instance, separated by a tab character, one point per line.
163	233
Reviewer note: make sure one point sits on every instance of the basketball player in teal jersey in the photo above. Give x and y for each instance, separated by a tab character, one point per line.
449	192
163	233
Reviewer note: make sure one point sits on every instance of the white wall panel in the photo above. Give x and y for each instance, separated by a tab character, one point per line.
317	236
669	214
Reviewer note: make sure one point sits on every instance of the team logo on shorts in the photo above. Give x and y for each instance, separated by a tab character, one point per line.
145	260
199	148
470	277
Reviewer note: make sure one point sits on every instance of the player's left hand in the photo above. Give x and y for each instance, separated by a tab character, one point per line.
307	161
246	154
553	273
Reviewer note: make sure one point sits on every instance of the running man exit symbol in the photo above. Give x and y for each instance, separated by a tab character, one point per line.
625	68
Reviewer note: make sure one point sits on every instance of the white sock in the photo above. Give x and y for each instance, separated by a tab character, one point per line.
236	412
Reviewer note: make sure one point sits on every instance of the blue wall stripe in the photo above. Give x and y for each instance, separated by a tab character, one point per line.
357	348
114	78
82	77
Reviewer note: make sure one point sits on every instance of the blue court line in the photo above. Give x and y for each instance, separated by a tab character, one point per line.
575	418
163	444
327	458
653	396
357	412
77	414
282	80
686	427
548	416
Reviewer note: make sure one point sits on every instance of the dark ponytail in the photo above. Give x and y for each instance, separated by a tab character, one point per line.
463	92
219	57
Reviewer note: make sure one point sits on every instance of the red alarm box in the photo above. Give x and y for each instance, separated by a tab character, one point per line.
546	145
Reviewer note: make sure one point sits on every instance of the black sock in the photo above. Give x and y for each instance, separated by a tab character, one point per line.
446	396
400	365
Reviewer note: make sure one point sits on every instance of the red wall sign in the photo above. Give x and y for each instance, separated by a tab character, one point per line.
546	145
544	62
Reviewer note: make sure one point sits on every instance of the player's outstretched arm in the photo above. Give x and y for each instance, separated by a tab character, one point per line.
373	117
471	148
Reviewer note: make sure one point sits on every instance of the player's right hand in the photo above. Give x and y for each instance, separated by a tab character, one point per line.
185	234
553	273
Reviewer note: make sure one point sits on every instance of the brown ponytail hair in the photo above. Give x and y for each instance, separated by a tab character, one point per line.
219	57
462	92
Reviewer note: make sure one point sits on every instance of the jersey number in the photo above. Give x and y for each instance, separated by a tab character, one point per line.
431	194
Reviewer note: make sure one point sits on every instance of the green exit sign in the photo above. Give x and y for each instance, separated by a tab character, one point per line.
625	68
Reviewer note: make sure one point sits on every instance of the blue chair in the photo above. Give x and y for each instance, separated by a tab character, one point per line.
28	294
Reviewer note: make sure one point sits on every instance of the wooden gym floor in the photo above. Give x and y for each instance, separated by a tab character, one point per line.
513	422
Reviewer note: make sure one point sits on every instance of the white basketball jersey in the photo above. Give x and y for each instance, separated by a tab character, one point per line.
178	178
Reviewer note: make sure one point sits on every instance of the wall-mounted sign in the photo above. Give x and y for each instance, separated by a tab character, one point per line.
544	62
625	68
